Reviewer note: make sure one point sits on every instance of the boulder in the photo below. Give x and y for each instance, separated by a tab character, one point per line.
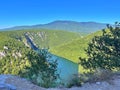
4	86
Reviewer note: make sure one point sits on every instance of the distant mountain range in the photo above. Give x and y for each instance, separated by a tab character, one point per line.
83	27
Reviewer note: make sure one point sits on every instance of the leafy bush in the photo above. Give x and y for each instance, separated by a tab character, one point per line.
91	77
42	71
104	51
77	80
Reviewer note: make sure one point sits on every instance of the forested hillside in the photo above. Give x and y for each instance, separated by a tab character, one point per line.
17	57
65	44
74	49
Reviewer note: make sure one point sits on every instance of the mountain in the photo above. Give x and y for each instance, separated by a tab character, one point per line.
82	27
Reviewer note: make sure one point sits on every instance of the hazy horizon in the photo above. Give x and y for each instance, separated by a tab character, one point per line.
50	22
32	12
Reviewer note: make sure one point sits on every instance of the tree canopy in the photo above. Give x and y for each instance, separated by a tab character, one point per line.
104	51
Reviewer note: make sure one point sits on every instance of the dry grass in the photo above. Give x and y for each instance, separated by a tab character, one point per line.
100	75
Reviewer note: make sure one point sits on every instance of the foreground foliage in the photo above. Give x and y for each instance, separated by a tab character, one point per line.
98	76
42	71
104	51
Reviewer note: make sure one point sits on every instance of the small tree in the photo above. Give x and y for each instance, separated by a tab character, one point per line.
42	71
104	51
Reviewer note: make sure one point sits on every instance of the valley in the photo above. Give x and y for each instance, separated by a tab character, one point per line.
59	45
64	46
65	67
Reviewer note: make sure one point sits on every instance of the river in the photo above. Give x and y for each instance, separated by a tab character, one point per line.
65	68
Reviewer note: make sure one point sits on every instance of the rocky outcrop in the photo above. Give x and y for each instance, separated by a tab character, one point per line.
9	82
4	85
2	54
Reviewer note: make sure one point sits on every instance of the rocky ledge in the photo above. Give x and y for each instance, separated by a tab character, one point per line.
4	85
10	82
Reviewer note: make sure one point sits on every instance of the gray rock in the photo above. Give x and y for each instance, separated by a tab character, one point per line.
11	87
4	86
98	83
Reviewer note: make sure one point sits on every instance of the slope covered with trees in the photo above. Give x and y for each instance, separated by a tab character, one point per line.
74	49
17	58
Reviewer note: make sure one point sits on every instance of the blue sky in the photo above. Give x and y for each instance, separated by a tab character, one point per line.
30	12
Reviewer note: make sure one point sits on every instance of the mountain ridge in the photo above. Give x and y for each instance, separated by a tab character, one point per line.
73	26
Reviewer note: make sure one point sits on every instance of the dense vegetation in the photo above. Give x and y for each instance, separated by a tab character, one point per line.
104	51
74	49
18	59
14	59
51	38
103	57
41	71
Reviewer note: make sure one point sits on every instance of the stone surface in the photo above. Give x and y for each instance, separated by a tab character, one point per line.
9	82
4	85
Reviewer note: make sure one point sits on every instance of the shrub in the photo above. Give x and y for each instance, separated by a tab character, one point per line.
91	77
77	80
100	75
104	51
42	71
